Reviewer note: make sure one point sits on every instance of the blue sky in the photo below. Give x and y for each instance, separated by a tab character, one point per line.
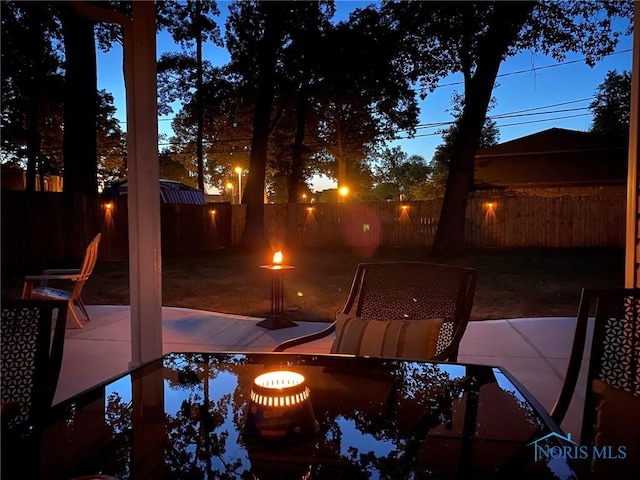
527	81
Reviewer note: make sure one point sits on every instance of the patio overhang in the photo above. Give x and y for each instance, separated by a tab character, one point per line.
632	254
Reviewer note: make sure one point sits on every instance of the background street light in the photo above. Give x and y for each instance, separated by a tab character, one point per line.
238	170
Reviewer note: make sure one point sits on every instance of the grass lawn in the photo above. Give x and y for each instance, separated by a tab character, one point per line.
511	282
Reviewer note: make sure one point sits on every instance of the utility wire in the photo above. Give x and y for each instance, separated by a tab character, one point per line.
530	70
548	112
53	150
554	105
273	148
505	115
528	122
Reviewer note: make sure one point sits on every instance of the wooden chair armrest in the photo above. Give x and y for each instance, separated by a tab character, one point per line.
61	271
306	338
27	287
33	278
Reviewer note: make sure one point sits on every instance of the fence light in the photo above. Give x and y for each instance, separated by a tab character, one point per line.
108	205
343	192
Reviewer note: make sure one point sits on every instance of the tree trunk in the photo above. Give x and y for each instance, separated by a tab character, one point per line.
508	20
33	139
200	109
81	103
297	161
342	161
33	110
253	236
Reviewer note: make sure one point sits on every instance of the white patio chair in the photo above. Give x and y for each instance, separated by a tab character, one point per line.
77	276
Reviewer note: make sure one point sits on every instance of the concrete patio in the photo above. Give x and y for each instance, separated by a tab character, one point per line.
534	350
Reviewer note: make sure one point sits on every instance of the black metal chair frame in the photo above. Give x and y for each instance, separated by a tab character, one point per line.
47	360
455	308
616	319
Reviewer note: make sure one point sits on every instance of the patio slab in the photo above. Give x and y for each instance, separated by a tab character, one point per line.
102	349
534	350
497	338
558	345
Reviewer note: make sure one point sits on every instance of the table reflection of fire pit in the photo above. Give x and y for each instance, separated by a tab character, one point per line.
276	319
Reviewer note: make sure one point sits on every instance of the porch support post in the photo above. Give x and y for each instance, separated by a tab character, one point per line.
632	254
143	174
145	260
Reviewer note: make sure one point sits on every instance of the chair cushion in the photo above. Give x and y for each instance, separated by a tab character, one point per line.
617	424
408	339
49	292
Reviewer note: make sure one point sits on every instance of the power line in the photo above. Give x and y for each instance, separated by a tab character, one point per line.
325	144
554	105
528	122
450	122
530	70
504	125
548	112
544	120
441	124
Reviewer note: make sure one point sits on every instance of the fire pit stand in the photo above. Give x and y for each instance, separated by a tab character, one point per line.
277	320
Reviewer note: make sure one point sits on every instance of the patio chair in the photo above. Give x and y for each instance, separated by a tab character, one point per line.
31	358
410	310
612	395
77	276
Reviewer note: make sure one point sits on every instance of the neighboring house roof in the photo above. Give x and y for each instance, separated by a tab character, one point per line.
170	192
552	158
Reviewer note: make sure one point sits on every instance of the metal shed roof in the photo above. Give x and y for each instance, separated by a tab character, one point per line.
171	191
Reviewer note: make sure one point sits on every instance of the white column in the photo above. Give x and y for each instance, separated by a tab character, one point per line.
632	255
145	260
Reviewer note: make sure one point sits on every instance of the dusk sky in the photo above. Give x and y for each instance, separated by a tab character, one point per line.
527	84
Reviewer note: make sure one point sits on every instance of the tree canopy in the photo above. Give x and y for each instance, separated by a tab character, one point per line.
36	95
192	25
396	173
301	94
473	38
612	103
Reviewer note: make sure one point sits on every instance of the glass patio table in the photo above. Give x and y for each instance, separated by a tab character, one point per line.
205	415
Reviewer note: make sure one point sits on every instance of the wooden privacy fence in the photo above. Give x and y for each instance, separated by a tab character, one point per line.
49	229
508	221
528	221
